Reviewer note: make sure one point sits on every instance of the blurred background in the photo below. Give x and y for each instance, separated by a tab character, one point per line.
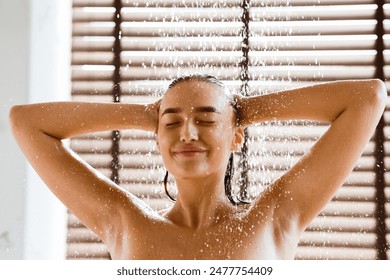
127	51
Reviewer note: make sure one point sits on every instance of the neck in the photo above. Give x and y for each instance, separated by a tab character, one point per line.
199	203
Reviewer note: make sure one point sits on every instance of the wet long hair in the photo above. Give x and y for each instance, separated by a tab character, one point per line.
230	167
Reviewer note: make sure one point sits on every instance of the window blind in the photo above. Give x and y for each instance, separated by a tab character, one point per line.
127	51
385	218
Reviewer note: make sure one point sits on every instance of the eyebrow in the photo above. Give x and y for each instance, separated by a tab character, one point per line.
202	109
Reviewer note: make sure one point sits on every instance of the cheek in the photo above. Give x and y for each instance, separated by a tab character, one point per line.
222	139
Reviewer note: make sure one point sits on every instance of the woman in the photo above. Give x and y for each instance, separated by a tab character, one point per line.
198	124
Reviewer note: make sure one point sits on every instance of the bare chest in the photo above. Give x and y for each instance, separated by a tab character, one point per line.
224	241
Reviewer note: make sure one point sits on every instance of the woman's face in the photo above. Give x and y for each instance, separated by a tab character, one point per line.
196	130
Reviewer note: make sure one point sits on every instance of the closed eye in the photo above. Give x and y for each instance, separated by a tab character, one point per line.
172	124
205	122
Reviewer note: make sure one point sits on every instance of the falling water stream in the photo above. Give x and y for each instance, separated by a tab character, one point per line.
209	38
162	40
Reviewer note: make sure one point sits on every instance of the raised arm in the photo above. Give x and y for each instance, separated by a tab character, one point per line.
353	109
39	129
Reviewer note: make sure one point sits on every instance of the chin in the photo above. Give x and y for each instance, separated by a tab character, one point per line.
189	173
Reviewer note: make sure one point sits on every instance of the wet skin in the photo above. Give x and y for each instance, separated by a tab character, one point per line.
196	132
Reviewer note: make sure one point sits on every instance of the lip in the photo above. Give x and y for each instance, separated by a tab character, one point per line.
189	151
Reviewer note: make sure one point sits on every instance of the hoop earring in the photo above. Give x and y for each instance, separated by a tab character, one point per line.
166	187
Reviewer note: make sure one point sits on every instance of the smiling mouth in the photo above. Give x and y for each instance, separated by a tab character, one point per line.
190	152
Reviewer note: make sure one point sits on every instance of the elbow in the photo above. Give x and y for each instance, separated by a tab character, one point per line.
14	115
380	91
375	94
18	117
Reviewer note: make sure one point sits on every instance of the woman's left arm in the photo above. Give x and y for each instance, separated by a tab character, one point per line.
353	108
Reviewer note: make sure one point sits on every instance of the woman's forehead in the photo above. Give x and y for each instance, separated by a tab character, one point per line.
194	93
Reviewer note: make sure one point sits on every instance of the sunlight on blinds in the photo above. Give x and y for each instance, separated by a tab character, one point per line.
291	43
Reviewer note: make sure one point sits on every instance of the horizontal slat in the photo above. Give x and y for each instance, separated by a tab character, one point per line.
386	118
140	161
178	28
329	253
180	3
153	87
279	131
212	3
338	239
227	71
226	58
356	193
274	146
99	65
87	88
82	235
342	224
92	58
336	57
162	73
388	242
224	3
92	43
89	3
312	72
268	28
257	87
91	145
387	177
270	72
351	209
386	69
323	2
318	42
99	91
73	221
386	26
187	58
138	134
354	179
93	72
323	42
98	161
181	43
105	28
201	14
87	250
326	27
314	12
388	223
86	14
386	41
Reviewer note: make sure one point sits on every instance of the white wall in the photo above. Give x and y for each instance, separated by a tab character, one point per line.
35	58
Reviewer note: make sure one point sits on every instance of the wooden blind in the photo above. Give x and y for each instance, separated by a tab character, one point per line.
127	51
385	195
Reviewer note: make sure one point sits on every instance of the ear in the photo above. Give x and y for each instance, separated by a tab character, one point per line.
238	138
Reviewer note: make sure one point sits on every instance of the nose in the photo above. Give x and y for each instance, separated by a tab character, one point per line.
189	132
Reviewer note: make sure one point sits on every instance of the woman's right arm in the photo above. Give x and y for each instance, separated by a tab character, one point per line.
39	129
